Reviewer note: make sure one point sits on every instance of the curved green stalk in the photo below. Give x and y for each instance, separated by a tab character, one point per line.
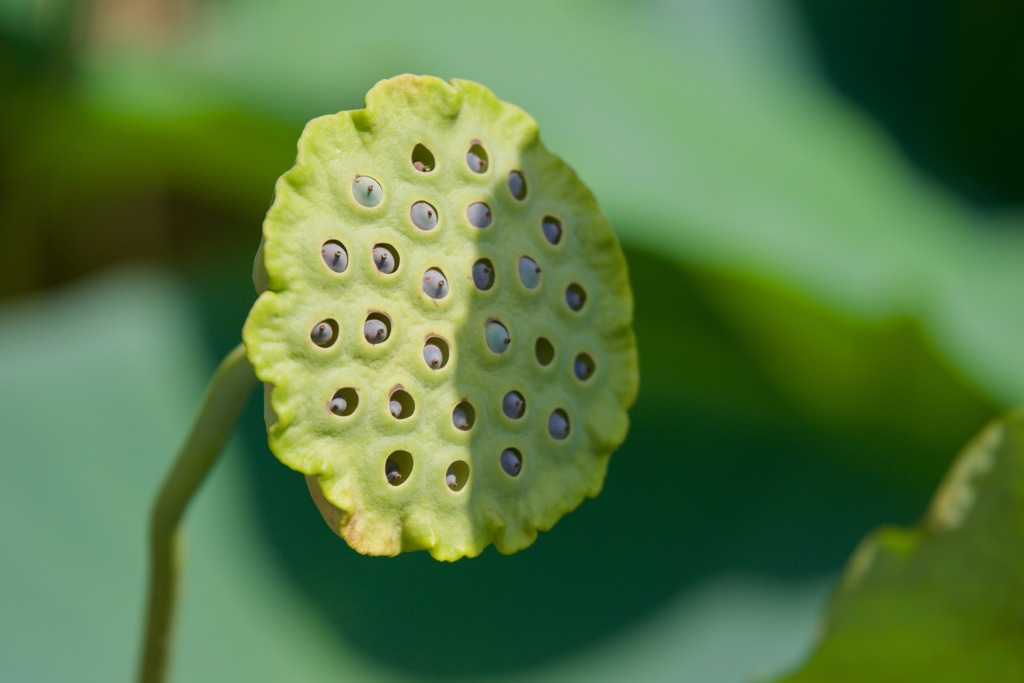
225	396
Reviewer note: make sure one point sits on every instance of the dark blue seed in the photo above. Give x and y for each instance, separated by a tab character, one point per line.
513	405
511	462
517	185
483	274
558	424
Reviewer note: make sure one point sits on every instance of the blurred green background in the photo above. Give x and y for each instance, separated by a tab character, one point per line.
820	205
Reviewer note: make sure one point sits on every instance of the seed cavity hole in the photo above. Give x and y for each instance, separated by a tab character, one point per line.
513	405
385	257
497	336
483	274
517	185
583	367
398	467
575	297
377	328
367	191
544	351
476	157
324	333
479	215
552	229
511	461
344	402
435	284
401	404
558	424
422	159
457	475
529	272
435	353
423	215
463	416
334	255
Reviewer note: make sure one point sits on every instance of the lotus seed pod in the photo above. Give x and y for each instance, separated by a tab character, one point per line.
416	450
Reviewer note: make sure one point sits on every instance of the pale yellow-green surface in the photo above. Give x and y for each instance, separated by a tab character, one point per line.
315	204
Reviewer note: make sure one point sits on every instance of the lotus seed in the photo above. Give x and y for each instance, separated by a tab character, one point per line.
435	353
432	355
575	297
375	329
497	336
511	462
583	367
423	215
558	424
544	351
463	416
483	274
457	475
324	333
552	229
393	472
513	405
343	402
338	405
479	215
422	159
398	467
517	185
434	284
367	191
476	158
384	258
334	256
529	272
401	404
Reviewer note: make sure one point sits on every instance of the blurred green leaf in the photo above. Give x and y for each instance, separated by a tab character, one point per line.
943	601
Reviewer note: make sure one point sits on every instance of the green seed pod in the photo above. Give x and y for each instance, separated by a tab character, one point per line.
428	459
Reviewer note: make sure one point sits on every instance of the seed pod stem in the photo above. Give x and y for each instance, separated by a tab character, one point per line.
224	399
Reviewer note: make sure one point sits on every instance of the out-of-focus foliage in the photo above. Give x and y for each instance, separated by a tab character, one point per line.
943	601
819	330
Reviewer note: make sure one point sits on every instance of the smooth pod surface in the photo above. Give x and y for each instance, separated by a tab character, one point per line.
438	464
